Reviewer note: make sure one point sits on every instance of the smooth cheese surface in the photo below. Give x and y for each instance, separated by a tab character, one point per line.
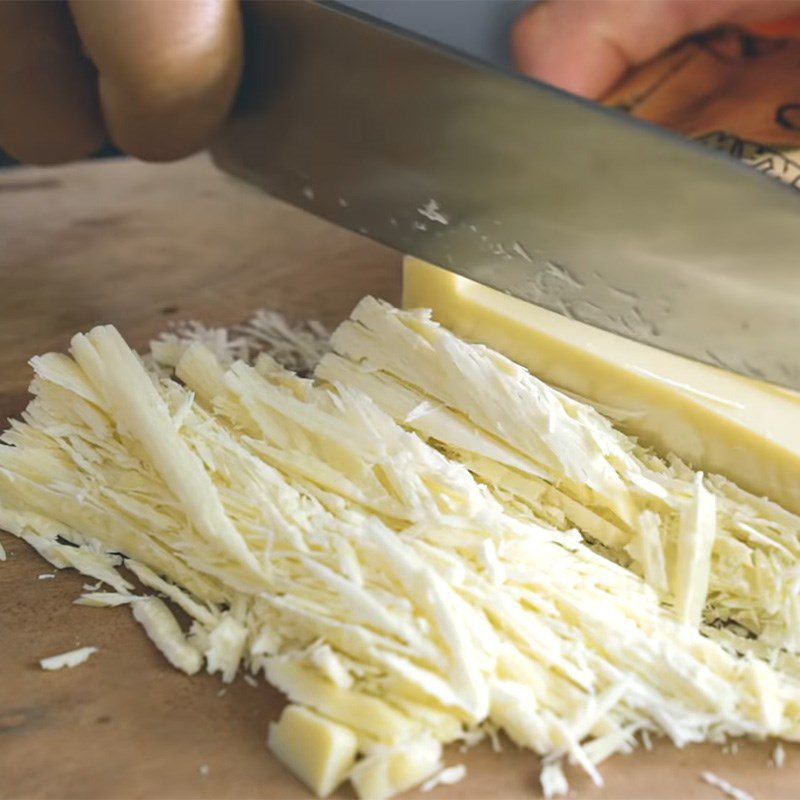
714	420
319	752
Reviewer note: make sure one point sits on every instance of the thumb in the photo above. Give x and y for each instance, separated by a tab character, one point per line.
586	46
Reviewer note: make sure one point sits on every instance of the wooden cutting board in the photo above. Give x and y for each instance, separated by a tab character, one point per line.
140	246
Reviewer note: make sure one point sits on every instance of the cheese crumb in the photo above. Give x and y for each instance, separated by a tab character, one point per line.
552	779
728	789
225	647
70	659
46	576
330	665
204	769
778	755
432	212
297	347
445	777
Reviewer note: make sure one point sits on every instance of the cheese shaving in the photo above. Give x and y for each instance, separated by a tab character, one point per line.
706	547
298	347
163	630
728	789
693	560
106	599
445	777
420	544
552	780
70	659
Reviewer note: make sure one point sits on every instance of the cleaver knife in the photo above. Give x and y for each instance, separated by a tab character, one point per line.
512	183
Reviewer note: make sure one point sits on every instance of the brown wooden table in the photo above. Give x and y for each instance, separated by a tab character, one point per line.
138	246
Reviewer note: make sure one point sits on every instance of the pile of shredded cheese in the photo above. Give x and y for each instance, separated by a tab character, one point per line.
421	544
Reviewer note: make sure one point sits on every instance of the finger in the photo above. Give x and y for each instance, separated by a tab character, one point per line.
586	46
49	110
168	70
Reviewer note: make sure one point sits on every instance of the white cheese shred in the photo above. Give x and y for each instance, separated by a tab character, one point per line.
419	544
728	789
695	542
70	659
106	599
163	630
445	777
552	780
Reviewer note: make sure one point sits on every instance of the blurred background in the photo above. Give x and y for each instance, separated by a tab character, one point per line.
477	27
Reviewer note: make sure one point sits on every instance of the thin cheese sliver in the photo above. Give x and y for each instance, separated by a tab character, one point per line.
422	543
120	379
698	528
728	789
106	599
70	659
163	630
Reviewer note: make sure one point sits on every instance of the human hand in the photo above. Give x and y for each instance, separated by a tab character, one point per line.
586	46
156	78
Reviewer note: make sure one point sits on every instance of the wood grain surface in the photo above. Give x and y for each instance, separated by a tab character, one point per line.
137	246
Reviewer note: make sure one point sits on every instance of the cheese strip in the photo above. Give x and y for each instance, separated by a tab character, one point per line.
163	630
714	420
106	599
395	590
294	425
115	373
690	536
70	659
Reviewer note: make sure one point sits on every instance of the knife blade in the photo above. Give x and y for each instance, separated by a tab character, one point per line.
520	186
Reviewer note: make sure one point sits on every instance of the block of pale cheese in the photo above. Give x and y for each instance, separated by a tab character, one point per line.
716	421
317	750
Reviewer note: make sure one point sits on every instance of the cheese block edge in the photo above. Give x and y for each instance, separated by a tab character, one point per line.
716	421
